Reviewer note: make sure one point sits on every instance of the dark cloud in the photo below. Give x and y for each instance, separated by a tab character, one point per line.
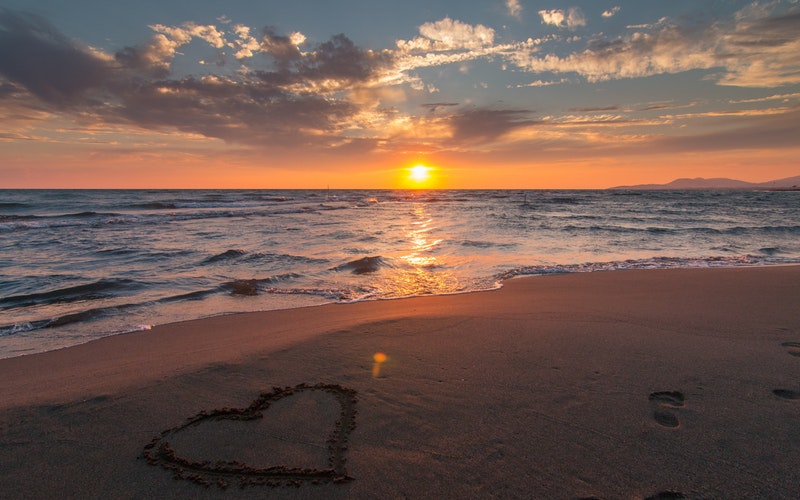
290	103
340	59
255	113
281	48
35	55
337	61
487	124
281	106
140	59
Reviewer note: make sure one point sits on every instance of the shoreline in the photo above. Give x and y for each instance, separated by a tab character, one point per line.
538	271
564	386
157	258
282	315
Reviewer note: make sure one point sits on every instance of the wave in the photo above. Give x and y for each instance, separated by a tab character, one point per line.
323	207
241	287
64	319
16	218
14	328
282	257
561	200
154	205
364	265
90	291
338	295
251	286
236	255
263	198
70	215
195	295
486	244
208	203
652	263
659	230
32	222
95	219
12	205
117	251
542	200
244	287
224	256
81	215
79	317
675	222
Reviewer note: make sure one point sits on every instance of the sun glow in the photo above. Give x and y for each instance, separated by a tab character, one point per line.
419	174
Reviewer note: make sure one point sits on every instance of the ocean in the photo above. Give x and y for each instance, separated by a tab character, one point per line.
77	265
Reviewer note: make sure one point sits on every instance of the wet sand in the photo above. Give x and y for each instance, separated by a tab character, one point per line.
627	384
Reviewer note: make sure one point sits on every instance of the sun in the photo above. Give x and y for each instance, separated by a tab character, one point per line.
419	174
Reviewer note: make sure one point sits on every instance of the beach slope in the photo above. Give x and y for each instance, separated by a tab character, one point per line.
626	384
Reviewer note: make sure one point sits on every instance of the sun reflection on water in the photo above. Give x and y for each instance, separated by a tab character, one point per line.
425	272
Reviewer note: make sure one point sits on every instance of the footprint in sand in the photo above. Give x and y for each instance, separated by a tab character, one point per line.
792	348
666	495
663	402
786	393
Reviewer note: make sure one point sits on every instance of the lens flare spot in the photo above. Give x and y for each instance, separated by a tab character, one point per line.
379	359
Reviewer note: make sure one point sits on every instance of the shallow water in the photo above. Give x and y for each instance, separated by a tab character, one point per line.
78	265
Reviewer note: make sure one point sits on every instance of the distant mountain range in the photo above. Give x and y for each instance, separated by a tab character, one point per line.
790	183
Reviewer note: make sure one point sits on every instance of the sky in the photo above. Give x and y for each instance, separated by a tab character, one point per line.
352	94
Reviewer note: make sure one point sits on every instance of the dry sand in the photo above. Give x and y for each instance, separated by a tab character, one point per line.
626	384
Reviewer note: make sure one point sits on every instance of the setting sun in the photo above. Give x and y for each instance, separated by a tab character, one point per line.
419	173
419	176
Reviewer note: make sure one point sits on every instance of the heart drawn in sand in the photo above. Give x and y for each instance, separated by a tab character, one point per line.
207	472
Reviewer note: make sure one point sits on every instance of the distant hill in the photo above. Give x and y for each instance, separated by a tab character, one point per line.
789	183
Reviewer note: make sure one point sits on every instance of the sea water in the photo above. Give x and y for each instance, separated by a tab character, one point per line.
76	265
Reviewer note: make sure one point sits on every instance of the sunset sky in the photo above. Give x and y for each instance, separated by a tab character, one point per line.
352	94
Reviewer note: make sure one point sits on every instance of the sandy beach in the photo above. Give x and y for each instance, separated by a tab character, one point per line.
626	384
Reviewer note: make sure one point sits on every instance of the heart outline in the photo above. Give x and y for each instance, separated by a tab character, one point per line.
159	452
